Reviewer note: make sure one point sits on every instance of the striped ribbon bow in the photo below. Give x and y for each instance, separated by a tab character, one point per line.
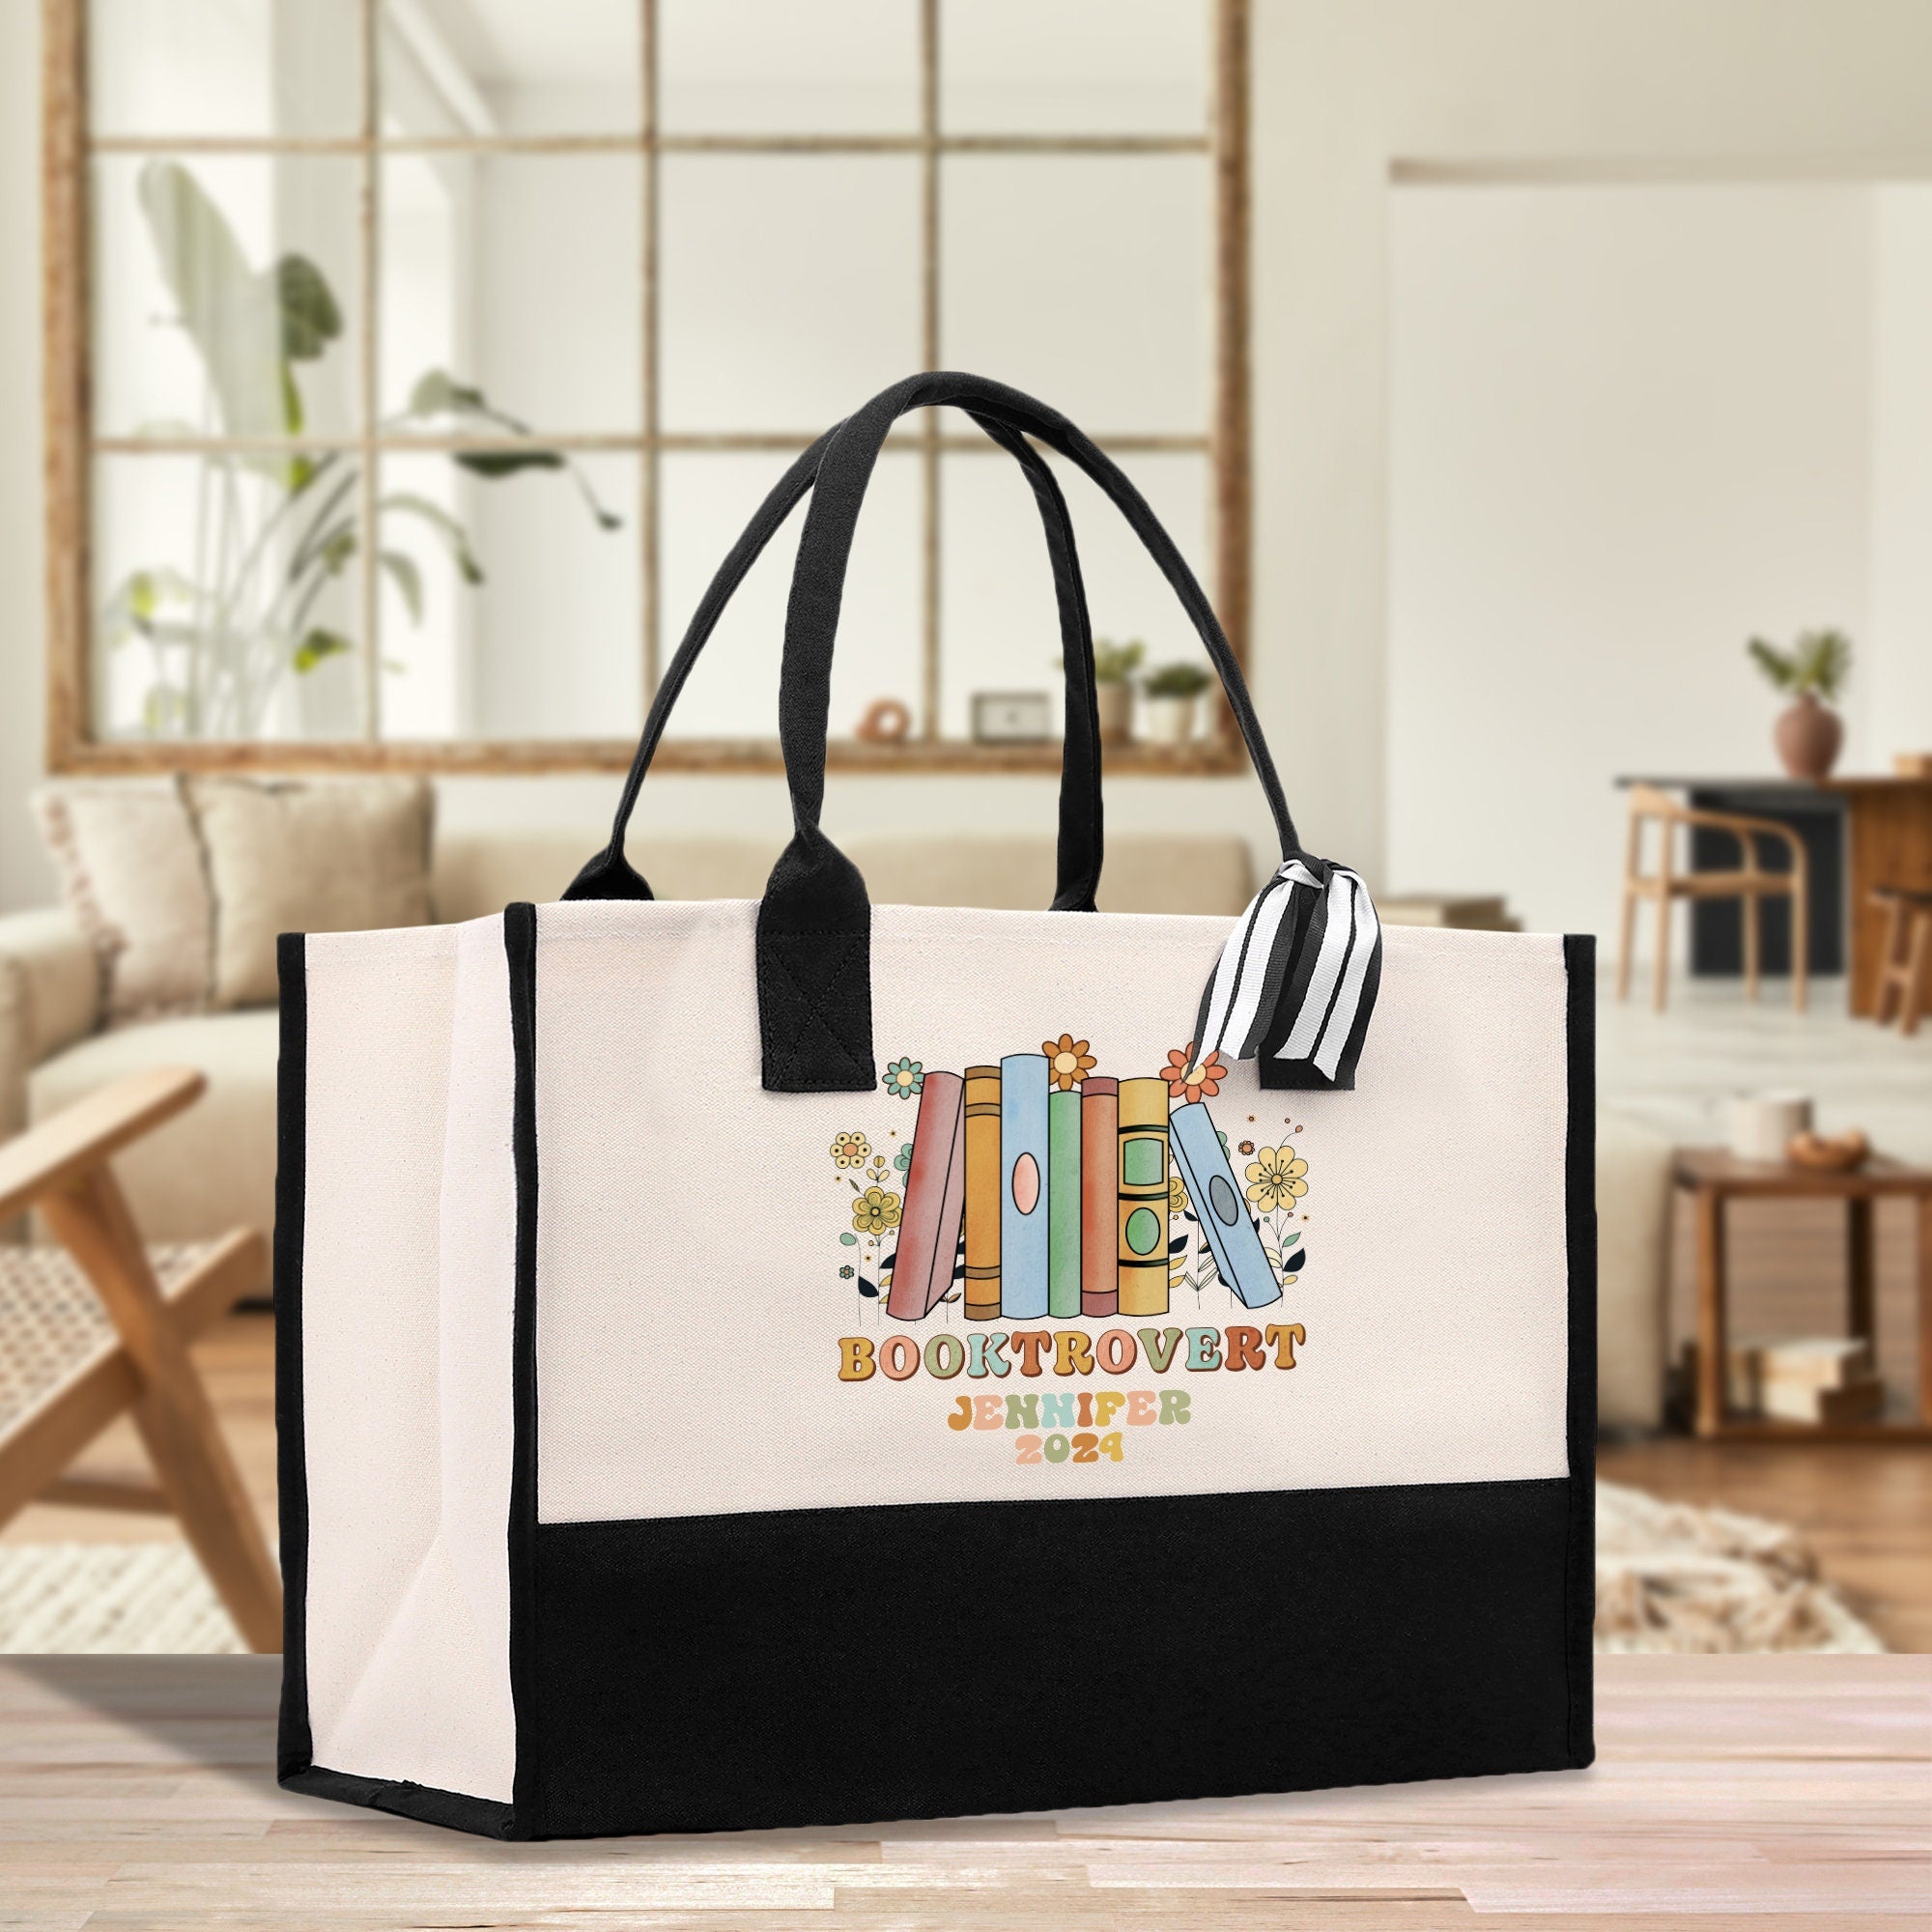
1297	982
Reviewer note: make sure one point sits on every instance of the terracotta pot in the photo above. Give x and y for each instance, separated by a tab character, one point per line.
1168	721
1115	698
1807	737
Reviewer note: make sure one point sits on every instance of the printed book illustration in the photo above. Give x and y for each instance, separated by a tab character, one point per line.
1035	1187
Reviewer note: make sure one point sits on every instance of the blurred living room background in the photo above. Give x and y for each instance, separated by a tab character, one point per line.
1543	390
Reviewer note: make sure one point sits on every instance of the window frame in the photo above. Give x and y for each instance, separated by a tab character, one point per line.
68	148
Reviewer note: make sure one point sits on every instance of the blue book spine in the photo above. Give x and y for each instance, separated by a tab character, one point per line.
1219	1205
1025	1233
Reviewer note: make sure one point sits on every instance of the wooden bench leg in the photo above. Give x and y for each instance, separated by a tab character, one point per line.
90	1217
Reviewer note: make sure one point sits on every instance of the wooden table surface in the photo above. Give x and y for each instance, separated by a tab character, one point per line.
136	1793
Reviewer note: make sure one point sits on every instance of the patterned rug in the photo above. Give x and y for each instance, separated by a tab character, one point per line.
1670	1576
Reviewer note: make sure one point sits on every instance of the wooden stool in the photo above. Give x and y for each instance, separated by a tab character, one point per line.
1749	882
1905	964
98	1327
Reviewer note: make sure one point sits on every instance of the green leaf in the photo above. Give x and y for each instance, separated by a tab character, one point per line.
438	393
231	315
407	504
849	1240
318	646
310	317
495	463
407	577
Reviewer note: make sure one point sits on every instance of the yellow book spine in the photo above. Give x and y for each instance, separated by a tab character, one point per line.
1143	1189
983	1193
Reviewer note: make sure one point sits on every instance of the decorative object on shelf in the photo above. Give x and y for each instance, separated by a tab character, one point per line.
1809	734
1114	668
1805	1379
1173	693
1834	1154
1763	1125
1011	718
887	720
1913	765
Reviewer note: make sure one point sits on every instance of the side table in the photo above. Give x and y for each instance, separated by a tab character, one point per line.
1713	1179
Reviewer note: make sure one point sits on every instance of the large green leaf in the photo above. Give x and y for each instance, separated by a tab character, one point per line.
310	318
407	577
230	313
493	463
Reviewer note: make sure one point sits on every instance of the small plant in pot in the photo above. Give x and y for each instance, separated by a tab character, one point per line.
1114	668
1809	732
1173	693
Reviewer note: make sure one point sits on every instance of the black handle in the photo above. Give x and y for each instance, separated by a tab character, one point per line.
610	874
814	922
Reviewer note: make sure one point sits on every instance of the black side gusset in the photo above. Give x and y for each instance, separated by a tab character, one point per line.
1579	1181
294	1747
520	942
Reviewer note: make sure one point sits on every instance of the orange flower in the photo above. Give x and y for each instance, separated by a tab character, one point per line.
1067	1061
1189	1079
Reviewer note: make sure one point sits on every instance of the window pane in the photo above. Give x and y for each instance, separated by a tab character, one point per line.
1075	66
514	610
789	287
227	597
1000	627
506	67
224	66
709	499
1084	279
774	66
517	276
225	294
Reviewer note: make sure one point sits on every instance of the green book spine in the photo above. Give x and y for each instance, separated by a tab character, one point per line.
1062	1203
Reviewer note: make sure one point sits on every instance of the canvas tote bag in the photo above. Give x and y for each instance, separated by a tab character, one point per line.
764	1364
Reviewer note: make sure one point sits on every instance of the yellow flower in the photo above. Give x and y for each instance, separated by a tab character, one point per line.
874	1212
850	1150
1177	1195
1275	1178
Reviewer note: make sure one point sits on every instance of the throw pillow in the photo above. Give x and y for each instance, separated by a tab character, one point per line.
314	855
129	870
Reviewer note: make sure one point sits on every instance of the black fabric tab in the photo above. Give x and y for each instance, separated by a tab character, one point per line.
715	1673
294	1747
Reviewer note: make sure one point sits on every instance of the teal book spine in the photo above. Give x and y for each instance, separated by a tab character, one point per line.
1025	1210
1219	1205
1062	1203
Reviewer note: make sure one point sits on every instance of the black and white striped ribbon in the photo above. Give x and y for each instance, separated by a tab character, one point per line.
1297	982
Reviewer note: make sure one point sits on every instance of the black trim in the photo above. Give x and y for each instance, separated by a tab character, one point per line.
425	1802
1579	1196
520	943
843	1665
293	1745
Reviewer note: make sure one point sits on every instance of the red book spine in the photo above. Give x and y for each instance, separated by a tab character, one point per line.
935	1201
1099	1198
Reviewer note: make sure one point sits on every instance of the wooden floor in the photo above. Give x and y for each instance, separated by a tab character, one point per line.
1867	1511
137	1793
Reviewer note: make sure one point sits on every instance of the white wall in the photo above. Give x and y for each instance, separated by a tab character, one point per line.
1629	427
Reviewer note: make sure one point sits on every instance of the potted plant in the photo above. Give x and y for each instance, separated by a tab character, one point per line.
1173	693
1114	668
1813	671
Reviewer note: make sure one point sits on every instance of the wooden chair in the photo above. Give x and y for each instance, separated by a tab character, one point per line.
1905	965
98	1327
1749	882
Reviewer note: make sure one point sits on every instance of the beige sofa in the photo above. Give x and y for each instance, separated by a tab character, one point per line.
214	1167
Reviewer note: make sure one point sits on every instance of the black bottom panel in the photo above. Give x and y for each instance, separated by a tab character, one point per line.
425	1802
716	1673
